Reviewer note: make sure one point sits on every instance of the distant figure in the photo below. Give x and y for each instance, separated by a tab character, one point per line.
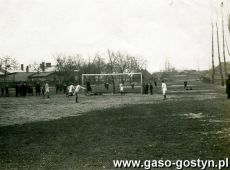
146	88
38	89
7	91
132	85
2	90
43	89
185	84
17	90
121	86
47	90
24	89
228	87
106	86
88	87
65	88
155	83
76	91
151	88
164	89
30	90
57	87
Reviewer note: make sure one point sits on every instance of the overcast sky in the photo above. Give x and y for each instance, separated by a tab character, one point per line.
178	30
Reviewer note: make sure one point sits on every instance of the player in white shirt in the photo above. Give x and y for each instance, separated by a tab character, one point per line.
47	90
164	89
76	91
121	86
70	90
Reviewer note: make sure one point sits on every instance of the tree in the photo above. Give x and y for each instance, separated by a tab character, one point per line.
67	66
7	63
220	65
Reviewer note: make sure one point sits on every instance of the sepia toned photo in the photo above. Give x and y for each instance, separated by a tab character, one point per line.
114	84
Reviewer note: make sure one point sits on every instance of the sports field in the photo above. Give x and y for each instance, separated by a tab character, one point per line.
57	133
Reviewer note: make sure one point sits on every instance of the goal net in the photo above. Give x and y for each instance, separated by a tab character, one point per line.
109	83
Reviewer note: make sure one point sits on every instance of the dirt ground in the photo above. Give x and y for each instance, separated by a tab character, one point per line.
19	110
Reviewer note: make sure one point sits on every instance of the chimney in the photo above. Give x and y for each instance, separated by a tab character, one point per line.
27	69
48	65
22	67
42	66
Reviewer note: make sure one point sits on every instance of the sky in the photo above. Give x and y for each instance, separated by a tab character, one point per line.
156	30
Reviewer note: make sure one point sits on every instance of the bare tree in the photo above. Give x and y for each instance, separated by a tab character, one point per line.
220	65
111	66
7	63
37	68
66	66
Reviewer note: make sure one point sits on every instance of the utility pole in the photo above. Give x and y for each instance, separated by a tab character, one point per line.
220	65
213	64
225	67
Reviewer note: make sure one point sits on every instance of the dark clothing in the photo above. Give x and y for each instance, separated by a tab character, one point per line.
2	91
132	85
185	84
146	89
38	89
88	87
155	83
65	88
151	89
7	91
17	90
228	88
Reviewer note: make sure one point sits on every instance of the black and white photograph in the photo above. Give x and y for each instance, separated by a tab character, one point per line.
114	84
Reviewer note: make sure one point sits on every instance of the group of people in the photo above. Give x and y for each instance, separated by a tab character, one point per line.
5	91
74	90
148	87
22	89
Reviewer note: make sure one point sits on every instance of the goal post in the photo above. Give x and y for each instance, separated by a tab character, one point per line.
117	76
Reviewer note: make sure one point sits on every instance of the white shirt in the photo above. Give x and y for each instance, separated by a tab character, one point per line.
164	87
77	88
47	87
71	88
121	87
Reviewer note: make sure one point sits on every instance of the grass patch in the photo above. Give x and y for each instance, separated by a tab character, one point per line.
141	131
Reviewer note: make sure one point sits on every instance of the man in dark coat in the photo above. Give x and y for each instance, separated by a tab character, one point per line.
17	89
151	88
146	88
228	87
7	91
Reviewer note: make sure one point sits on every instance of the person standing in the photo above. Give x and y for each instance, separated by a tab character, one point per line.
228	87
17	90
146	88
151	88
164	88
76	91
88	87
65	88
121	86
2	90
7	91
185	84
47	90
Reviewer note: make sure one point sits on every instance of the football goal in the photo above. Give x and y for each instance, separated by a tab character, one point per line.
109	83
